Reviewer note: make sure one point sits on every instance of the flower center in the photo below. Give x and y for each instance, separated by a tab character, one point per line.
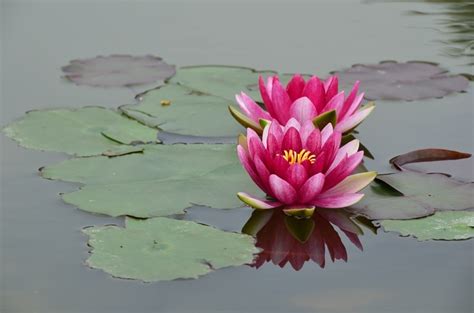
304	155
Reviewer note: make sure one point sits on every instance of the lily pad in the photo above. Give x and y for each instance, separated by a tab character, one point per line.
161	181
408	195
82	132
161	249
118	70
221	81
446	225
390	80
180	110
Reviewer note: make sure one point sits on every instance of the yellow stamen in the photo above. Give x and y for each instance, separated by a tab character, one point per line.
304	155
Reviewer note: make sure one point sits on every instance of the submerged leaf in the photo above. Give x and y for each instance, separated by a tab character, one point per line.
118	70
161	249
402	81
163	180
427	155
77	131
439	226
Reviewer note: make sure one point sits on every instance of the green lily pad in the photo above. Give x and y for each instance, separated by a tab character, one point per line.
407	195
221	81
180	110
160	249
160	181
448	225
77	131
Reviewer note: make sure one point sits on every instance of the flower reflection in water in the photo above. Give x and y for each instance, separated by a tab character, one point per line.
286	239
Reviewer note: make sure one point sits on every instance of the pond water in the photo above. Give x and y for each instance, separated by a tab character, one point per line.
42	248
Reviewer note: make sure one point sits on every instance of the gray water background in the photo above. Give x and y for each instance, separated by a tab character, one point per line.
42	250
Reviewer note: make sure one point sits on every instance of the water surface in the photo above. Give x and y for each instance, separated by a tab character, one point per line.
42	248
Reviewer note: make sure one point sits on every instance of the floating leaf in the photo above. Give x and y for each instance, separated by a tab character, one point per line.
402	81
118	70
161	181
160	249
186	112
427	155
439	226
77	131
221	81
408	195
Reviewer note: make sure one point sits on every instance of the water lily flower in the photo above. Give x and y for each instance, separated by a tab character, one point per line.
300	167
286	240
316	100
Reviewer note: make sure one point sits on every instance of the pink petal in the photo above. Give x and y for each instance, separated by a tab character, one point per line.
336	202
350	101
292	122
335	103
248	166
296	175
281	102
303	110
314	90
326	132
282	190
262	171
311	188
352	184
354	106
341	171
273	145
331	87
331	147
274	128
255	145
313	142
256	203
354	120
318	166
250	108
306	129
280	166
265	94
295	87
348	149
291	140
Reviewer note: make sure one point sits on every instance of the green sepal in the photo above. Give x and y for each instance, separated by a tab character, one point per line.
325	118
299	212
263	122
245	121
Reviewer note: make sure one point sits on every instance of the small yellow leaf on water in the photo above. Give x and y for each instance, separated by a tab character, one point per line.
165	102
